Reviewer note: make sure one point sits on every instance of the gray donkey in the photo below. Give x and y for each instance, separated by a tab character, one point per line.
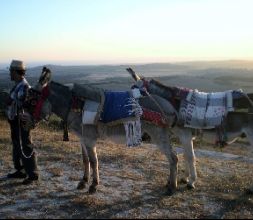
238	124
61	100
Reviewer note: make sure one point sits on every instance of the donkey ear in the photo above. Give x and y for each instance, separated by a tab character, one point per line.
44	79
133	74
45	76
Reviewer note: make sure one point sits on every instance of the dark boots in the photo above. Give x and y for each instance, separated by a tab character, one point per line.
17	175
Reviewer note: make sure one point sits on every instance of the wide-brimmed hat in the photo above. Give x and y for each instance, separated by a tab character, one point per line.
17	65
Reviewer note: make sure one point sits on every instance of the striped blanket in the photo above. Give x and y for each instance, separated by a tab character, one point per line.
205	110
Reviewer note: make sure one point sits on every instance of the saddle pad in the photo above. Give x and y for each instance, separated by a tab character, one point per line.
117	106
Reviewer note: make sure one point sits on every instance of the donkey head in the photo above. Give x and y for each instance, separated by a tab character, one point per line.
152	86
140	82
37	100
44	79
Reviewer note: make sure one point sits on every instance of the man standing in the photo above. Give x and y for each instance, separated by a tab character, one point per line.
24	157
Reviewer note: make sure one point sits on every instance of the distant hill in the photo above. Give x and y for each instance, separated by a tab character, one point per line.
204	75
227	64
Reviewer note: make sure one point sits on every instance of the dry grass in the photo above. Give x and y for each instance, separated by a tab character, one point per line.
132	183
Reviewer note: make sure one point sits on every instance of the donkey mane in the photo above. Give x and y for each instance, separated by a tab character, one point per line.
64	96
166	92
163	90
59	85
160	84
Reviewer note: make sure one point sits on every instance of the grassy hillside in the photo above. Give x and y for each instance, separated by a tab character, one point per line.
132	182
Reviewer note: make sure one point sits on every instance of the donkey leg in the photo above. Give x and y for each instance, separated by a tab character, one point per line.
86	168
172	183
173	160
249	133
190	161
94	165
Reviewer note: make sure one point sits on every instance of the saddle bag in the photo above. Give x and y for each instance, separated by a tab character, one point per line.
93	102
90	112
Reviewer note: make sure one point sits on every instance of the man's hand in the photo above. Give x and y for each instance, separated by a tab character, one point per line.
25	117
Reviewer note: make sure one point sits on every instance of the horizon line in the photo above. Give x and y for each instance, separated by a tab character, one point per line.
34	64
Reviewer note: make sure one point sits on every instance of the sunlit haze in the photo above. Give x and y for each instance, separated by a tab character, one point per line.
125	31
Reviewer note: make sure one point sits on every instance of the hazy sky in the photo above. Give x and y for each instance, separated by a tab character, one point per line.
123	31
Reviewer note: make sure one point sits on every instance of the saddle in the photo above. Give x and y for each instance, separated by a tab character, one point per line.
109	107
96	104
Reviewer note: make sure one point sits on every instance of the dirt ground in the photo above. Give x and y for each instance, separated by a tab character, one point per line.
132	182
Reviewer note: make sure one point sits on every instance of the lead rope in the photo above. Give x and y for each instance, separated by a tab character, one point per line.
21	143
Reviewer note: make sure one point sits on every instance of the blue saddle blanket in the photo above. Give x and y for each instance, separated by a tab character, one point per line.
117	106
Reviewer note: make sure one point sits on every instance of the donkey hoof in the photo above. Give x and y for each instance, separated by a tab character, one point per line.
168	184
170	192
190	186
81	185
184	181
92	190
249	191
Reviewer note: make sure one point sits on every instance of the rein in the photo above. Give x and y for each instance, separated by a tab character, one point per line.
21	144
